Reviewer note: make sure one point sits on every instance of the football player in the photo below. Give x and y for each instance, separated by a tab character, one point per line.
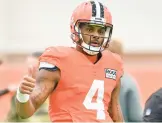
83	82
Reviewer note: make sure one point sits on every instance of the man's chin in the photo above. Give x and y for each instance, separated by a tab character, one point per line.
1	62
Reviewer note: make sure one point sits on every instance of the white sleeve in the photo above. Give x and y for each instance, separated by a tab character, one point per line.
46	65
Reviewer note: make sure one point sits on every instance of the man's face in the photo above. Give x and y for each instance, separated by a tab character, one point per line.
93	35
1	62
32	60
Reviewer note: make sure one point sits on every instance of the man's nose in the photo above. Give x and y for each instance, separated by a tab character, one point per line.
95	35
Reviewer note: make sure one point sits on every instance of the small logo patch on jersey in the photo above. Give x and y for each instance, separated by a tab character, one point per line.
110	73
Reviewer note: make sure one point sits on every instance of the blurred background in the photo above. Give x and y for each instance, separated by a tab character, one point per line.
27	26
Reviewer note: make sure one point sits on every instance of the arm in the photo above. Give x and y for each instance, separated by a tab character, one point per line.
134	105
10	88
4	91
45	83
114	106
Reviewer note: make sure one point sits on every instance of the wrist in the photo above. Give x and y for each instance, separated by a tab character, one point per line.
23	98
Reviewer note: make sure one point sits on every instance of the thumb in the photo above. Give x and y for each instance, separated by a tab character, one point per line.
30	71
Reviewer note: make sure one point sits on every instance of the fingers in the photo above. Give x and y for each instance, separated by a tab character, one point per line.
24	91
29	79
30	71
27	85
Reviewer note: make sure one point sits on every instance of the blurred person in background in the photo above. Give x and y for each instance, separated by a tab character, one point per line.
1	61
10	89
129	92
7	90
153	107
42	114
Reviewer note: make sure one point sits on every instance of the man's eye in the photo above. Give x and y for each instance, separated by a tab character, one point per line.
102	31
89	30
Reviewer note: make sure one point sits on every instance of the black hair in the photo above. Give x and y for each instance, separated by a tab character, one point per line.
36	54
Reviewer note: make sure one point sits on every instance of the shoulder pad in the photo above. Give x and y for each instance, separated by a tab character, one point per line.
54	55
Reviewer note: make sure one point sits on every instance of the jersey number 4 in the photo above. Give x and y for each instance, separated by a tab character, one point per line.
97	85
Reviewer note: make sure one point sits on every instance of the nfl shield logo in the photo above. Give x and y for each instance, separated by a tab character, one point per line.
110	73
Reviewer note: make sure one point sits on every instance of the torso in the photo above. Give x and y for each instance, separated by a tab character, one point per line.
84	90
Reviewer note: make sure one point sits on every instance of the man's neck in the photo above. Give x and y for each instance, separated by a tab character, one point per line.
93	58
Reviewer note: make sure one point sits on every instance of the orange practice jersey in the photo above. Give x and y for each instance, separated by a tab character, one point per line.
84	90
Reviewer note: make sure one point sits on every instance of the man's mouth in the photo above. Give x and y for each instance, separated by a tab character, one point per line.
94	43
